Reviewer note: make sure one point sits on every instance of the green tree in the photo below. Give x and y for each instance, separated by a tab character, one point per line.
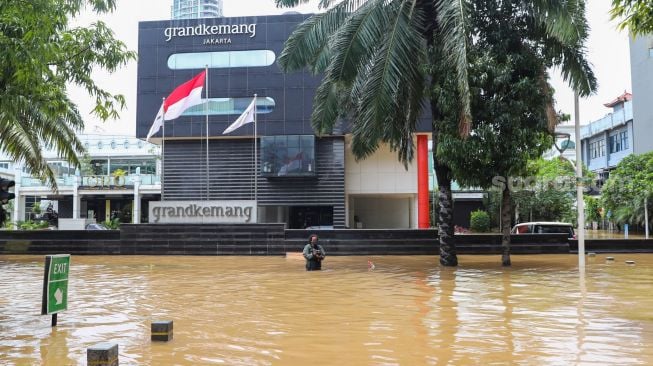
510	124
636	15
42	54
629	185
511	103
551	194
387	57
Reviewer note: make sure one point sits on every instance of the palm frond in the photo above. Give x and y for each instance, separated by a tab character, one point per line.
310	40
454	33
390	88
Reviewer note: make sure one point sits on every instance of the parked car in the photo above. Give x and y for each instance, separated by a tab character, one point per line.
544	227
96	227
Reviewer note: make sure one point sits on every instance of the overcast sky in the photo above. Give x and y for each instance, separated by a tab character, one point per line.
607	49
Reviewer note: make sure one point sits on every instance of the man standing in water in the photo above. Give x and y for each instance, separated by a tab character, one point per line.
314	254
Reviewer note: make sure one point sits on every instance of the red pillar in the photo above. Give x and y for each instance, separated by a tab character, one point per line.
422	182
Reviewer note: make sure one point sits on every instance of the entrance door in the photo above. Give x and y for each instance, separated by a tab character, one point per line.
302	217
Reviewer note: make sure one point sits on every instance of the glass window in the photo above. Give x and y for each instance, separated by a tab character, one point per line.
227	106
223	59
61	168
99	145
100	166
288	156
4	165
623	136
148	166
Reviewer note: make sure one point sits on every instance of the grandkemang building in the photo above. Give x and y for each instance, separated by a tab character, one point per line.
303	180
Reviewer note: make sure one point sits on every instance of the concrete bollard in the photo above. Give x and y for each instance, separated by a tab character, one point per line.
102	354
630	262
162	330
609	258
591	254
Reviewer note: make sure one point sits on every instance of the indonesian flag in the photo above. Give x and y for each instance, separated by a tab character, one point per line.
185	96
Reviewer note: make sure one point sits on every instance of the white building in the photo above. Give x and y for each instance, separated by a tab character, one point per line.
118	178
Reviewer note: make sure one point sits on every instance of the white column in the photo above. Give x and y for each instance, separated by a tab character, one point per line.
76	198
18	169
136	216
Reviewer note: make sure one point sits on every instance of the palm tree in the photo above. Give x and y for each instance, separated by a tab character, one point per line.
388	56
42	55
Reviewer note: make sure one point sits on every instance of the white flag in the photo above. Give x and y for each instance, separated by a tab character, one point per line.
156	125
246	117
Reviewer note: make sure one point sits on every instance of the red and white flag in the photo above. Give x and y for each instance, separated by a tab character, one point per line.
183	97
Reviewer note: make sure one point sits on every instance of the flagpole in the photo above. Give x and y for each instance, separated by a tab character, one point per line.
163	146
206	109
255	159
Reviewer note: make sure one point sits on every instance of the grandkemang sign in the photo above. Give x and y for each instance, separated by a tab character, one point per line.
202	212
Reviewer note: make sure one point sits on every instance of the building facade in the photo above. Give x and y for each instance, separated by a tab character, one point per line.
641	66
119	176
194	9
605	142
303	180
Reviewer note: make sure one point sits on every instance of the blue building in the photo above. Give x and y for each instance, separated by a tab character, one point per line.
605	142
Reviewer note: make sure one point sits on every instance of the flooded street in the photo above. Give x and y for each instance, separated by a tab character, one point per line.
269	311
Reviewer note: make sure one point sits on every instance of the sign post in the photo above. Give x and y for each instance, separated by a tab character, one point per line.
55	285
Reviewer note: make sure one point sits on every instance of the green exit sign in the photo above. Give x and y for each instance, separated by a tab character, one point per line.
55	284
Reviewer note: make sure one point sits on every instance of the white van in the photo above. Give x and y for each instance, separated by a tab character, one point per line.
544	227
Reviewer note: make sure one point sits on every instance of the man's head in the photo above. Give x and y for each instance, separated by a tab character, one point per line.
312	239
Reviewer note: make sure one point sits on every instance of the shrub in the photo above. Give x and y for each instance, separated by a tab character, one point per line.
479	221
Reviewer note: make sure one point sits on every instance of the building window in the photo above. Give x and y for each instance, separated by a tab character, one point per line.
99	145
113	145
288	156
597	149
100	166
4	165
226	106
615	144
623	136
618	142
650	52
221	60
126	144
129	166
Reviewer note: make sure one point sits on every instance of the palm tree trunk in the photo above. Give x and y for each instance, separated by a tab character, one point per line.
506	214
448	255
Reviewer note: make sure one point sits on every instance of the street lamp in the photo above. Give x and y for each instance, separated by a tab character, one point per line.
564	144
580	206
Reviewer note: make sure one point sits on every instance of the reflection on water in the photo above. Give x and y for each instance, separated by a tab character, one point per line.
269	311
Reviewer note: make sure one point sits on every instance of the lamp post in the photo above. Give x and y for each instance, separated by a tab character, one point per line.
580	205
646	214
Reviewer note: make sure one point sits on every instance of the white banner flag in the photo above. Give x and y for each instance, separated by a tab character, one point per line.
246	117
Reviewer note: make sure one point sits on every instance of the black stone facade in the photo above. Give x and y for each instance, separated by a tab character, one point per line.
293	93
231	167
231	163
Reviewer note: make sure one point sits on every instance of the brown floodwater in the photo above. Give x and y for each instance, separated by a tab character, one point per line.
269	311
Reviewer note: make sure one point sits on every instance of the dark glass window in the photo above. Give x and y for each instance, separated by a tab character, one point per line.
288	156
